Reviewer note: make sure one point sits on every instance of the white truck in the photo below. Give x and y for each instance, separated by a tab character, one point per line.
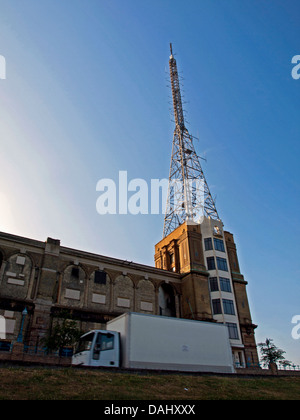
140	341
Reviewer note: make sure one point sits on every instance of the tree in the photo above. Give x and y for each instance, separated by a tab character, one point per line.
270	353
65	333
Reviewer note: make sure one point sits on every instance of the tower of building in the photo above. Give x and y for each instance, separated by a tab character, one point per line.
196	246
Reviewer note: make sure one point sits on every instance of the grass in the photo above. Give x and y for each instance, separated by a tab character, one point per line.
28	383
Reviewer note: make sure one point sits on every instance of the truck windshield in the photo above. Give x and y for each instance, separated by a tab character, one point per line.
85	343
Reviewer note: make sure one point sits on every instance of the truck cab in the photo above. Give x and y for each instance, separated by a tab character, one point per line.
98	348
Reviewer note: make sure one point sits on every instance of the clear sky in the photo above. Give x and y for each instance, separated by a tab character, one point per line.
86	95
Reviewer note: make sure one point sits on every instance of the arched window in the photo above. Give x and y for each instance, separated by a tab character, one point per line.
99	291
73	284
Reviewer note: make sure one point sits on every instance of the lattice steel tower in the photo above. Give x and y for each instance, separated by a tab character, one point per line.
189	198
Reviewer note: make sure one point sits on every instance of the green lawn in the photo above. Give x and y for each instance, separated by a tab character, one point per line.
24	383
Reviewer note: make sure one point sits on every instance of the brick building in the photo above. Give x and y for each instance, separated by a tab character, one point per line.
196	273
48	279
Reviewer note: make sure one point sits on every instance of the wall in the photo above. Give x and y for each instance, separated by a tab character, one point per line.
49	279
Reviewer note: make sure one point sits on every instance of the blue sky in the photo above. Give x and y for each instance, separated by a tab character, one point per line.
87	96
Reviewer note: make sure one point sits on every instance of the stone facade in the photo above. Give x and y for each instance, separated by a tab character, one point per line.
50	280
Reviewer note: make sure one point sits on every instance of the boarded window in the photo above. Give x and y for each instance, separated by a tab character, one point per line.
20	260
123	302
72	294
96	298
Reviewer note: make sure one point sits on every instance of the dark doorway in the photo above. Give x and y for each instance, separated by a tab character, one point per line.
166	300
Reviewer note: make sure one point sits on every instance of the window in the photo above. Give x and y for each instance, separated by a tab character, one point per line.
213	282
105	341
233	330
211	263
100	277
85	343
217	309
75	272
222	264
228	307
219	245
208	244
225	284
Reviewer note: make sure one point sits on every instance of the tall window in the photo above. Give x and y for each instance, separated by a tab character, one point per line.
213	282
219	245
216	304
233	330
171	255
222	264
211	265
225	284
208	244
228	307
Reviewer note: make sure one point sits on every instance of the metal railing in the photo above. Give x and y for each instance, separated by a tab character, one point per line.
280	366
289	367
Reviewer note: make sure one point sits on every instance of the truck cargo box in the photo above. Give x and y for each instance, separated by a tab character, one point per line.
165	343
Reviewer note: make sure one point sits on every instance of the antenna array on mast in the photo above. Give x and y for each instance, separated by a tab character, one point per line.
189	198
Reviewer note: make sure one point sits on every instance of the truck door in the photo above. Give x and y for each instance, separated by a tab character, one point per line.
106	350
82	352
